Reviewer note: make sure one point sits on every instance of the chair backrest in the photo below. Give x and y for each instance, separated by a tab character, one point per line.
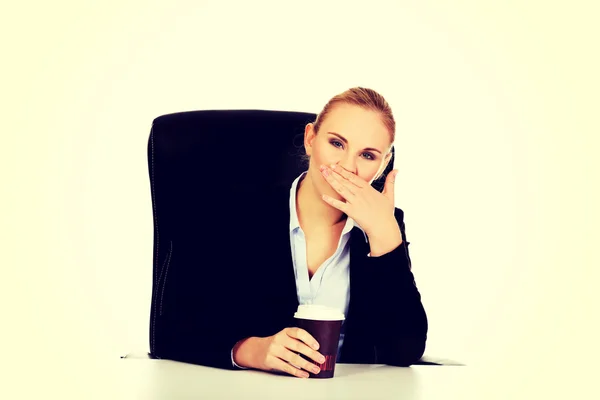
201	161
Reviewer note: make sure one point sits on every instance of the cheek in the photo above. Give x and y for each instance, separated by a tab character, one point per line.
368	171
324	154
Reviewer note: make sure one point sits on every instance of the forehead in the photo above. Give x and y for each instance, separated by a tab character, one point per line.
358	125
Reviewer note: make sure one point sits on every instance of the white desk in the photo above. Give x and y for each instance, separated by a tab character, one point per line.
163	379
109	378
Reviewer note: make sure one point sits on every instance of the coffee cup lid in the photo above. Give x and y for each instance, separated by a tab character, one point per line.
318	312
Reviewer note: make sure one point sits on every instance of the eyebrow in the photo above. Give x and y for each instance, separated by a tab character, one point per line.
343	139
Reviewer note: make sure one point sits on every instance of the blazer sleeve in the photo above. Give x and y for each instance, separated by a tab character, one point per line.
196	318
401	323
187	342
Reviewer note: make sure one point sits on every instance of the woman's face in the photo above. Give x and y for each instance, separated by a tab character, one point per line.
352	137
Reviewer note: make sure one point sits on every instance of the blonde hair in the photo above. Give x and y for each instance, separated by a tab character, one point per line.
365	98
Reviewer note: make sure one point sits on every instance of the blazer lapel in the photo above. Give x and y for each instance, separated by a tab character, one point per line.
356	346
358	251
278	251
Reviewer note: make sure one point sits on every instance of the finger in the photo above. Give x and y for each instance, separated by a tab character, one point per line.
340	205
304	338
349	176
295	346
336	183
280	365
388	188
352	188
297	361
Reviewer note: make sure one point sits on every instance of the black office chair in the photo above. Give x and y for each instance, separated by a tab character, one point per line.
192	155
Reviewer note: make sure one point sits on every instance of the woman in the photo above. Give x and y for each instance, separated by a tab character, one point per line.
334	239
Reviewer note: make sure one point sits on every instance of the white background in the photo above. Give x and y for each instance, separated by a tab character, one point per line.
496	106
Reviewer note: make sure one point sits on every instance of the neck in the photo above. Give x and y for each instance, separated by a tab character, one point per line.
313	212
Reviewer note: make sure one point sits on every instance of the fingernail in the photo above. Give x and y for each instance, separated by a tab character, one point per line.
305	374
315	346
321	359
325	172
316	370
333	166
322	167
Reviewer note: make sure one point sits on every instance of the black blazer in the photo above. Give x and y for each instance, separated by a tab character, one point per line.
236	280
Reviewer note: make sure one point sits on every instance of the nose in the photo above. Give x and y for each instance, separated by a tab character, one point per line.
348	163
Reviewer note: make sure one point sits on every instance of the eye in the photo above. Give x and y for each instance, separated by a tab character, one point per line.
336	143
369	156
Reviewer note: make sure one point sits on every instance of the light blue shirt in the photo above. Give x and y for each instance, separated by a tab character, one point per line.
330	285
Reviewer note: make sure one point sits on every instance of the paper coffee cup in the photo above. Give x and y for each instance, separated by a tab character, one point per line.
324	324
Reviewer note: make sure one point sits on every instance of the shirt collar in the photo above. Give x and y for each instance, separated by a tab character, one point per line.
294	223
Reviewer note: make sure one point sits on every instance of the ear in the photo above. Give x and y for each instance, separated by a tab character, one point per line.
309	137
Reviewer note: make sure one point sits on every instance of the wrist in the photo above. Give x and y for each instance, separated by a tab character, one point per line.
385	240
243	352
